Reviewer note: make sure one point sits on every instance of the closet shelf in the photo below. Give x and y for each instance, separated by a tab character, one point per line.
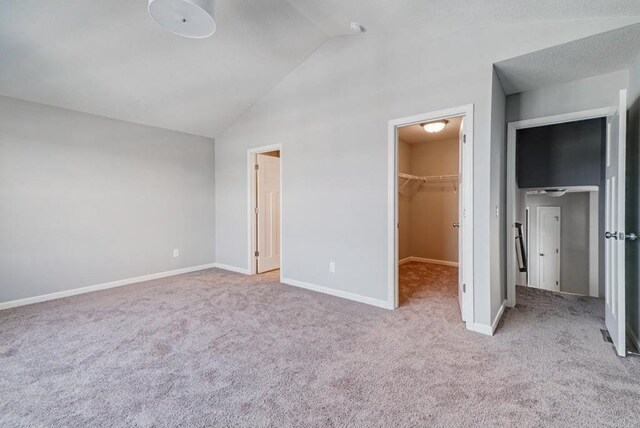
428	178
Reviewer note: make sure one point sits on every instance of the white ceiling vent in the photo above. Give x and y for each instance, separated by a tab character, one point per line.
357	28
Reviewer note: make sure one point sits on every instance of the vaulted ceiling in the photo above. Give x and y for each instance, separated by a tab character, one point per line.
108	57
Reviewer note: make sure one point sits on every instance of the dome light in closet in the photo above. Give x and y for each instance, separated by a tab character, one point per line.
555	193
187	18
433	127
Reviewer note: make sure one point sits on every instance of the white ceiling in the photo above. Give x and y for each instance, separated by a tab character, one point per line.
393	16
414	134
592	56
108	57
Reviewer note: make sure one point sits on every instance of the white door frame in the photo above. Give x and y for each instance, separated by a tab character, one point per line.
465	211
512	128
558	250
251	228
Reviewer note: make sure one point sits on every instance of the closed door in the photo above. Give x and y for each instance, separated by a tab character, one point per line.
615	224
549	248
267	213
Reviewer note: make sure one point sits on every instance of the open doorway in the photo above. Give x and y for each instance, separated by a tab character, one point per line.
431	205
560	245
558	155
265	207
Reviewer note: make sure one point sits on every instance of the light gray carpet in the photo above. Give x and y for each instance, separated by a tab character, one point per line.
214	348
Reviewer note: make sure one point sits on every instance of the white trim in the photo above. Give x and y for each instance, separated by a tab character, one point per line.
594	267
236	269
480	328
425	260
103	286
338	293
496	320
489	330
512	128
466	210
251	266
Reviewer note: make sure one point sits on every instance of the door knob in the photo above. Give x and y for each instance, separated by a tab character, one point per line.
631	236
456	225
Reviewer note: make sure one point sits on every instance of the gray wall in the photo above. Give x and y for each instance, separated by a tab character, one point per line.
574	239
633	200
584	94
331	116
88	200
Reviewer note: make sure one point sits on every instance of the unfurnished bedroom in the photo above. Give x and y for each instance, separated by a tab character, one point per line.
287	213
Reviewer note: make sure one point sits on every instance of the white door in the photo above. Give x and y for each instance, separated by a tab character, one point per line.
460	225
549	221
268	213
614	223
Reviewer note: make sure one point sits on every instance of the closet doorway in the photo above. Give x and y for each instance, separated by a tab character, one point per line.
432	209
264	170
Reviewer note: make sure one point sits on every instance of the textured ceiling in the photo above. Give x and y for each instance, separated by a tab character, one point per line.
108	57
598	54
393	16
414	134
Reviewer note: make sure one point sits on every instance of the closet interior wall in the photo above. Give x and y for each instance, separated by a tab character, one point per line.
427	211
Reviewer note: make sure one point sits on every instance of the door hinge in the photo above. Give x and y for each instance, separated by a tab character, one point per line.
557	283
257	254
464	138
257	166
257	210
557	251
464	288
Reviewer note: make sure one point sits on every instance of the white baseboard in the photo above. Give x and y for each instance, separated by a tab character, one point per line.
496	320
480	328
338	293
232	268
103	286
489	330
425	260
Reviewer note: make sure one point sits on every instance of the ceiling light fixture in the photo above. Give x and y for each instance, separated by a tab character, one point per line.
555	193
187	18
433	127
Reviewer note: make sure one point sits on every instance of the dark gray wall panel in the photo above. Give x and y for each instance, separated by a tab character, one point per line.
568	154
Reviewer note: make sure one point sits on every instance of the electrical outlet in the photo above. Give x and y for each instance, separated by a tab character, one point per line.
332	267
176	252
